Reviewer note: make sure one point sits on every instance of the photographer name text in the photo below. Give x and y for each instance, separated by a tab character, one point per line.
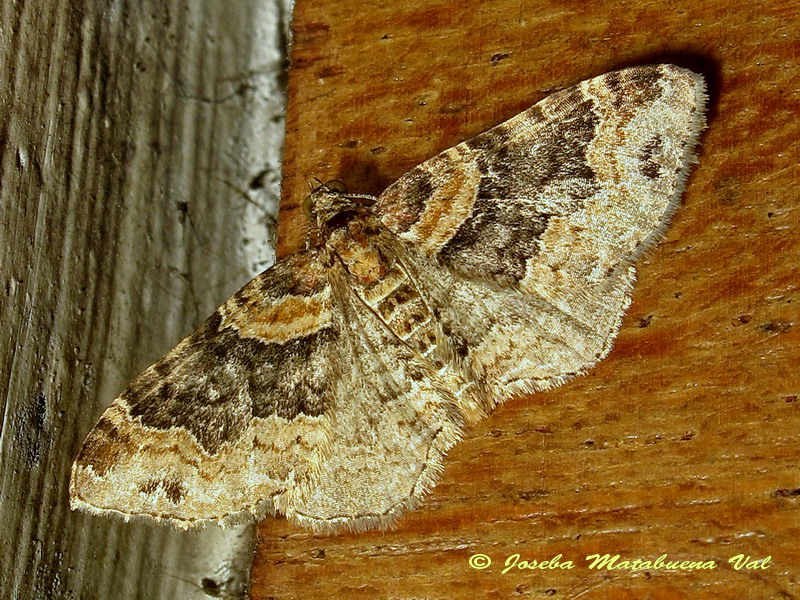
614	562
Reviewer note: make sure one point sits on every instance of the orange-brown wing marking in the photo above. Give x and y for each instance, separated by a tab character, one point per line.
236	414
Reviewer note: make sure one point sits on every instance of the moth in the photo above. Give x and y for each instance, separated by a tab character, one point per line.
330	387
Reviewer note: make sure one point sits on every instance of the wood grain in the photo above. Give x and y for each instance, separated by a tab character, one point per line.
127	130
684	440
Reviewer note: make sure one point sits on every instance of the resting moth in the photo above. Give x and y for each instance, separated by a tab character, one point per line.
330	387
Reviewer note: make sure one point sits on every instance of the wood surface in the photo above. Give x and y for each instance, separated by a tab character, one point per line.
684	441
139	150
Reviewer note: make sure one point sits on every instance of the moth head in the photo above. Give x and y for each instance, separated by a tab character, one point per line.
329	205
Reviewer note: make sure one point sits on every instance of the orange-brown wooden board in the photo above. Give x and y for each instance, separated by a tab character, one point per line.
685	441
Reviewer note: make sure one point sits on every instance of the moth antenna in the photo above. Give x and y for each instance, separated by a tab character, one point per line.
315	183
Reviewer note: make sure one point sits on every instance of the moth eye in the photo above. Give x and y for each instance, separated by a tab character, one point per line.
307	206
336	185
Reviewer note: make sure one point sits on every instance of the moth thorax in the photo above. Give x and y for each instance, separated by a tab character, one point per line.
360	256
